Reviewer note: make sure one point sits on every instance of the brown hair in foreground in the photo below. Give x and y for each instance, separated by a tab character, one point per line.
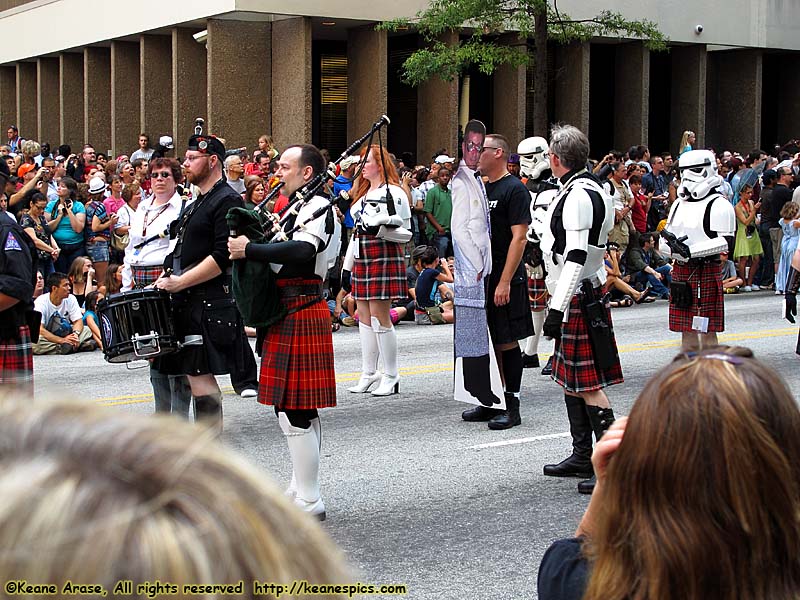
94	496
702	498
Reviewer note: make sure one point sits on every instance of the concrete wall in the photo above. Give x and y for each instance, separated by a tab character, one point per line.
155	73
47	104
189	76
572	84
97	92
291	76
8	96
688	95
437	115
71	100
367	80
734	100
27	101
632	95
239	80
125	97
509	98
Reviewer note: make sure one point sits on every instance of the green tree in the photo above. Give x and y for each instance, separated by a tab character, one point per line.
534	22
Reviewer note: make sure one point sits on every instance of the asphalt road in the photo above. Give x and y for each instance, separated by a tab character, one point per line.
415	495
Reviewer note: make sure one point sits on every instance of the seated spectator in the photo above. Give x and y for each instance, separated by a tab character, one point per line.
434	300
62	330
647	266
696	494
112	284
731	282
82	278
90	319
616	284
39	289
199	514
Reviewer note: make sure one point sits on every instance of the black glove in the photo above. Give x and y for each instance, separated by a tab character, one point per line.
552	324
791	306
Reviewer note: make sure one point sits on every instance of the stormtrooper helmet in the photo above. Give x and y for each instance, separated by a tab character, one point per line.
376	209
533	158
698	174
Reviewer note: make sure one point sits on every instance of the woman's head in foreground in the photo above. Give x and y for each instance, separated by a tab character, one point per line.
702	498
94	496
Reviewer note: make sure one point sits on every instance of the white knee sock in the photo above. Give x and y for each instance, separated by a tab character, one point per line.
304	450
369	349
387	342
532	343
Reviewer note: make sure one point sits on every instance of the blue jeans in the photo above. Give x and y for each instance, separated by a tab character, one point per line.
69	252
171	392
660	288
442	242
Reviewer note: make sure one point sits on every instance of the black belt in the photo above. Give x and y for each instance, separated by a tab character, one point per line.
310	289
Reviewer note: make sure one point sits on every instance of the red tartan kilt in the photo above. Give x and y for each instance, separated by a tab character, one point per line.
710	304
297	358
379	271
144	276
16	363
573	361
537	292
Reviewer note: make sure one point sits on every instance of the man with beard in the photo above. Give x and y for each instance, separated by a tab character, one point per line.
297	372
197	274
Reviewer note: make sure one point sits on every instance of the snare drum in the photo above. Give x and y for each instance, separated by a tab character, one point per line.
137	325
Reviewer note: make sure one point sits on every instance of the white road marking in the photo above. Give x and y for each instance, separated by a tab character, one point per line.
538	438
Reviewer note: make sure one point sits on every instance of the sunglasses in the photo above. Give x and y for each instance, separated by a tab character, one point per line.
160	175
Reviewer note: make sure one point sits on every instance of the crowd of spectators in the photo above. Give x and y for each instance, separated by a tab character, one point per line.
78	208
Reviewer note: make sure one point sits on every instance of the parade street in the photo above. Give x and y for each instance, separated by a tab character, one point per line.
416	496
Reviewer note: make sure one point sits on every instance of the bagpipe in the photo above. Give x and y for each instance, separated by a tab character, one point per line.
253	282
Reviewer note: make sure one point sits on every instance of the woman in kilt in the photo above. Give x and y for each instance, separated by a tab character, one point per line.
378	274
144	263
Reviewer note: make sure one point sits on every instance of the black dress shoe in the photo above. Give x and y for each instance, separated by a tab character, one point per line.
548	368
479	413
587	487
530	361
572	466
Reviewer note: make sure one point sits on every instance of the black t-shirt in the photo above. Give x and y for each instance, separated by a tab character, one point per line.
564	571
206	231
771	205
509	204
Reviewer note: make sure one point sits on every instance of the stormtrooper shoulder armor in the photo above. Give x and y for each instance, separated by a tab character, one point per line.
722	216
578	212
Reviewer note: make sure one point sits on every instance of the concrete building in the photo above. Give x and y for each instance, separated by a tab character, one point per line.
316	71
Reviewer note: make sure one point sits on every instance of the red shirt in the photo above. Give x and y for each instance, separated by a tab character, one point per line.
639	212
280	203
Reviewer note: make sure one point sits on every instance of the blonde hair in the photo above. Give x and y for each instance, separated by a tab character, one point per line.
94	496
684	140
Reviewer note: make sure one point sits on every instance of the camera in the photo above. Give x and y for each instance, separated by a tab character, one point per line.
698	29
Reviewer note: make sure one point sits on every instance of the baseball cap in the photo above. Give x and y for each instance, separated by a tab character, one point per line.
443	158
207	144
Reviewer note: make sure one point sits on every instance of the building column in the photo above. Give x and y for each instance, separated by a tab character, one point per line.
8	97
437	114
27	105
631	95
239	80
688	96
291	77
155	76
71	100
97	92
509	98
125	97
572	84
367	79
735	99
47	118
189	99
789	100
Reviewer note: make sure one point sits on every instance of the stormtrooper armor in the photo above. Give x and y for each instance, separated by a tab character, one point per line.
372	210
572	243
700	214
535	165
